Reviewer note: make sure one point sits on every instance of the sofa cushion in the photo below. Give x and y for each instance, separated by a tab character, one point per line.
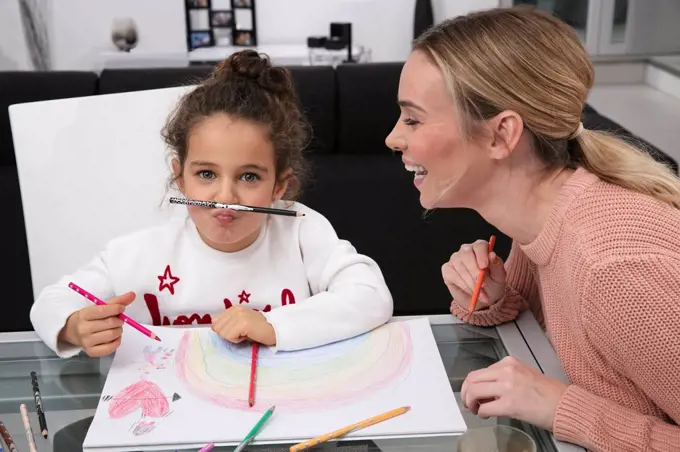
15	278
23	86
367	106
127	80
371	201
595	121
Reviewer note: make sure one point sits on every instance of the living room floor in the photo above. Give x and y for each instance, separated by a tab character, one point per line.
645	111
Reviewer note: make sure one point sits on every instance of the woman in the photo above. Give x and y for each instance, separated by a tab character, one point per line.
490	120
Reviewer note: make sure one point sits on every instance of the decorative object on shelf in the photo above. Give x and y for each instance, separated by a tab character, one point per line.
33	18
220	23
423	17
124	33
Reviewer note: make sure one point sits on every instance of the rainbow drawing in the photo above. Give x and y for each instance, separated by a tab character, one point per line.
217	371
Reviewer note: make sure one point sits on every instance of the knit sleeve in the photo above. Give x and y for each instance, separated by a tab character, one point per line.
630	314
521	292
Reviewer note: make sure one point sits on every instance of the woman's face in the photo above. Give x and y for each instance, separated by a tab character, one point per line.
429	136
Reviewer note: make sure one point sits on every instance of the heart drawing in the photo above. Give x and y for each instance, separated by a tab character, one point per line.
144	395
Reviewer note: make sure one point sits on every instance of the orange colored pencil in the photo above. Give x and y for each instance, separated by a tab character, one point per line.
350	428
480	279
253	372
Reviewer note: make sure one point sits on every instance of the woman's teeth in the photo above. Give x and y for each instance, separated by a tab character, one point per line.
419	170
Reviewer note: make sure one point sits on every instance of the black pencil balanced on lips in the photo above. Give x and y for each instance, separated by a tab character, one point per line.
239	207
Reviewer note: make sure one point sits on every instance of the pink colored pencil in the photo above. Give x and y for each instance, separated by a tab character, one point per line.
253	373
207	447
145	331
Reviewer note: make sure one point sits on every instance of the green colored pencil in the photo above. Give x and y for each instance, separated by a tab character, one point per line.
255	430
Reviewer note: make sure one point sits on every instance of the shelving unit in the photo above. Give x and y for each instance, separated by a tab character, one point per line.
220	23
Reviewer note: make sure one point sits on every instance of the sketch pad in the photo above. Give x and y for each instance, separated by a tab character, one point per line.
192	389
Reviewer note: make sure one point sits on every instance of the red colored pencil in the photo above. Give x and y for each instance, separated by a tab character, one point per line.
253	372
145	331
480	279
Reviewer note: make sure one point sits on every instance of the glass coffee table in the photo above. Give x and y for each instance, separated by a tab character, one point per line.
71	388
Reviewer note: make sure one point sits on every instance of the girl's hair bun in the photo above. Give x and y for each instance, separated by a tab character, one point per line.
249	65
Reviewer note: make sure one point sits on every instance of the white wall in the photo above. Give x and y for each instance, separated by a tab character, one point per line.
385	26
13	50
81	29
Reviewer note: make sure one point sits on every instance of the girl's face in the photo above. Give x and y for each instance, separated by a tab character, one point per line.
229	161
429	136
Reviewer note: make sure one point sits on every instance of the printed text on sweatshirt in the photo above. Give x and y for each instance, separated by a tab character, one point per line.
603	277
313	287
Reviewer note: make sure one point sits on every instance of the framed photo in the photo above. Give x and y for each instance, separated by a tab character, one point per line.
197	3
201	39
221	18
244	38
223	37
198	19
243	4
243	19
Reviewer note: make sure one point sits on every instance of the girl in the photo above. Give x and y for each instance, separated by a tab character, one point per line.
287	282
491	108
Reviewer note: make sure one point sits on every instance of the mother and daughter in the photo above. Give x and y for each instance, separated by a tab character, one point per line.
491	109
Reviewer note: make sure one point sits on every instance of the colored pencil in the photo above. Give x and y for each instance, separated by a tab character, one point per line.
7	438
38	405
350	428
255	430
480	279
27	426
241	207
253	374
207	447
145	331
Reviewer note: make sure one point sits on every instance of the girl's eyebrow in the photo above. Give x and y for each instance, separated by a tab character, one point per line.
253	166
202	163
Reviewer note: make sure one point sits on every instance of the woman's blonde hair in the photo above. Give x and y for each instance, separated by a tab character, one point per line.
532	63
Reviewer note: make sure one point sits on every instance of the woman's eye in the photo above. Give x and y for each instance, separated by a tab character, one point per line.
206	174
250	177
410	122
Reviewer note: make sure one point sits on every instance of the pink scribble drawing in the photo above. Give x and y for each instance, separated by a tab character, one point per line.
155	358
143	395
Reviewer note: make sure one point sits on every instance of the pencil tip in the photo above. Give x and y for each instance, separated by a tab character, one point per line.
157	338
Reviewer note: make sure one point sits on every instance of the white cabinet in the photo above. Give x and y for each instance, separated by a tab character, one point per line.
618	27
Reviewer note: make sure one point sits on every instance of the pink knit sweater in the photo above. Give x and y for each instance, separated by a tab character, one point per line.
603	278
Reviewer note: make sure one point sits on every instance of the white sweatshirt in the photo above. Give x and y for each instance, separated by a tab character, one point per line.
313	287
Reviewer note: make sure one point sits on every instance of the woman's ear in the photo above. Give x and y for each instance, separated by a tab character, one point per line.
177	174
282	184
507	128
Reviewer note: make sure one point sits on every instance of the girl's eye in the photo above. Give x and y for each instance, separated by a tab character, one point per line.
410	122
206	174
250	177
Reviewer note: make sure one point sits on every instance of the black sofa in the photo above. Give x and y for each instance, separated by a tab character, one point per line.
359	184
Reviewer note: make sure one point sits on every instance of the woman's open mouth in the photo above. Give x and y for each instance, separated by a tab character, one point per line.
419	171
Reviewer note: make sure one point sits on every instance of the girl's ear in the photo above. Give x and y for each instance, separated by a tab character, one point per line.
177	173
282	185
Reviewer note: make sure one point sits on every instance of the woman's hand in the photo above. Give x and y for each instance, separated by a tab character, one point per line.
97	329
238	323
461	271
513	389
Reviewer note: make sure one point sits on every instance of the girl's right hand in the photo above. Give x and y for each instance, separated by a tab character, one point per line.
97	329
461	271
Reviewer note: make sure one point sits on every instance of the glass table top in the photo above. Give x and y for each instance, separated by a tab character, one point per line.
71	389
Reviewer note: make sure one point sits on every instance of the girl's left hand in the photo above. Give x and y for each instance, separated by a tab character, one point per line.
513	389
238	323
